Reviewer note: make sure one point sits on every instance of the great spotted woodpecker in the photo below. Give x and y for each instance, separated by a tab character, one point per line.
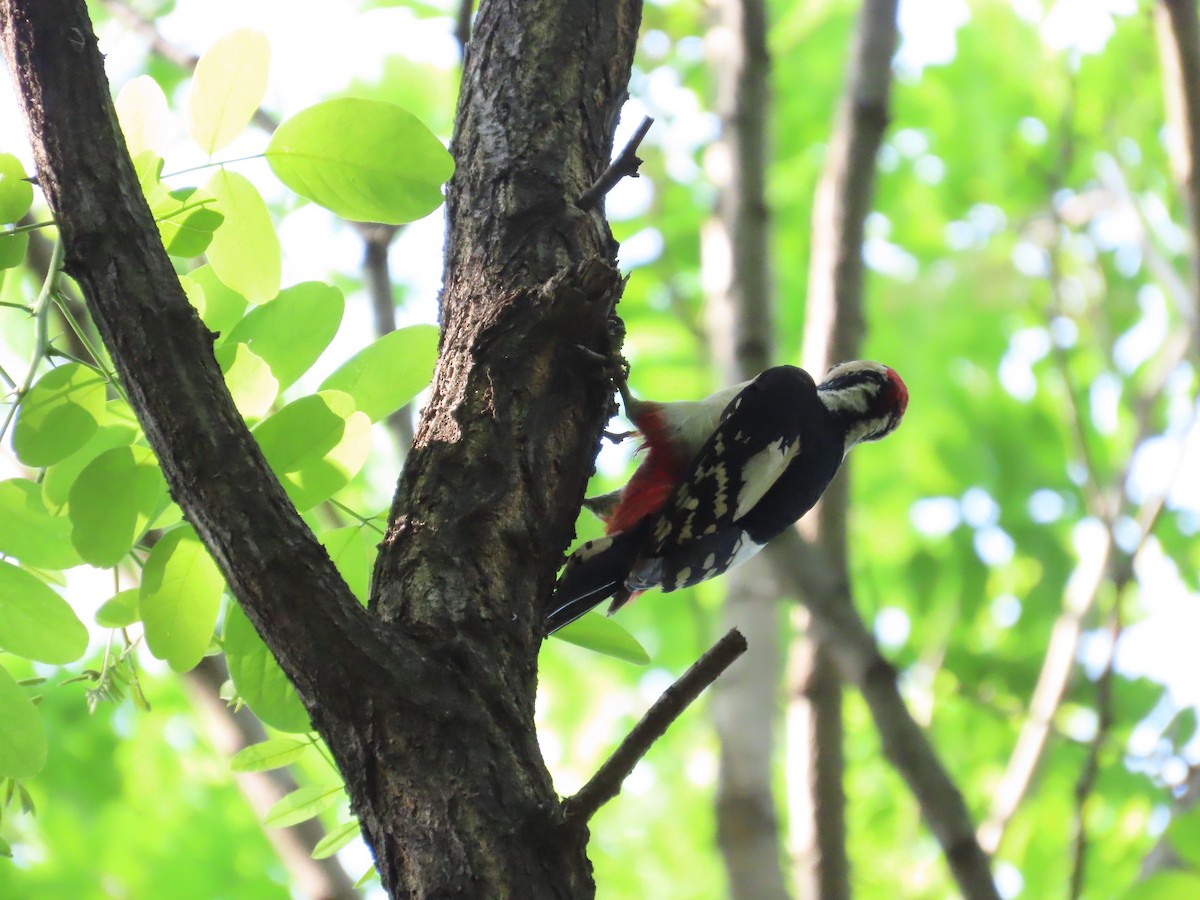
721	477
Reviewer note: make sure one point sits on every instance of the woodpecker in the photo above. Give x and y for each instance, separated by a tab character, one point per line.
721	477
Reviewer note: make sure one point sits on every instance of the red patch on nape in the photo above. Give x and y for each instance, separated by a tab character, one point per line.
899	392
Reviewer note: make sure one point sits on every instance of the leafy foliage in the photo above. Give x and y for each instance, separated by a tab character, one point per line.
1025	228
102	498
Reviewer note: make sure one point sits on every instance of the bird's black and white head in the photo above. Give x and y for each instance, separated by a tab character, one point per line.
867	397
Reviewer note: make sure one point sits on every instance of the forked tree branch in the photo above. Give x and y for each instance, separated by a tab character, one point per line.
163	354
606	783
858	660
522	282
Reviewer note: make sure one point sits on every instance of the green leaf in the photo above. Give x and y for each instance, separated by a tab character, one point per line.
337	838
389	372
315	445
245	251
186	218
120	610
220	307
1182	727
188	223
248	378
35	622
1184	835
16	194
367	877
180	598
12	248
22	735
291	332
60	477
116	496
270	754
257	676
365	160
603	635
5	849
27	806
142	112
58	415
353	550
302	804
1165	885
228	85
29	532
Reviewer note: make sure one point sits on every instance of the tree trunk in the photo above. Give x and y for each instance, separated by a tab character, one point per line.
493	483
426	701
738	306
833	329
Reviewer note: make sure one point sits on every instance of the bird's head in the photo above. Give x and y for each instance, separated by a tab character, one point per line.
867	396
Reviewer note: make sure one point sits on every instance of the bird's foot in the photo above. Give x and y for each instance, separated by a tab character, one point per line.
603	505
617	437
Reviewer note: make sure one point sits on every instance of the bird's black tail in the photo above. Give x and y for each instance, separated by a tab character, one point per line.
595	572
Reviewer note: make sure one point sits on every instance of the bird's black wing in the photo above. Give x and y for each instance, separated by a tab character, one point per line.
699	533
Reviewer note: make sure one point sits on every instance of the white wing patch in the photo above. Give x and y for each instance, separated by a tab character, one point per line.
746	549
590	549
762	470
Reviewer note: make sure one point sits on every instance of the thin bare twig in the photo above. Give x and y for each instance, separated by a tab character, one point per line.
1086	782
606	783
1085	583
626	163
377	279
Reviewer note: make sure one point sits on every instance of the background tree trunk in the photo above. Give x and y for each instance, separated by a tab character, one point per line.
738	306
833	329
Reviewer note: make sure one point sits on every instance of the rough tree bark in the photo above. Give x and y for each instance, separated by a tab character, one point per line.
493	483
426	700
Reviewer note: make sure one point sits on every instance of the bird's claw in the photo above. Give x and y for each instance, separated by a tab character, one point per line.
598	358
617	437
